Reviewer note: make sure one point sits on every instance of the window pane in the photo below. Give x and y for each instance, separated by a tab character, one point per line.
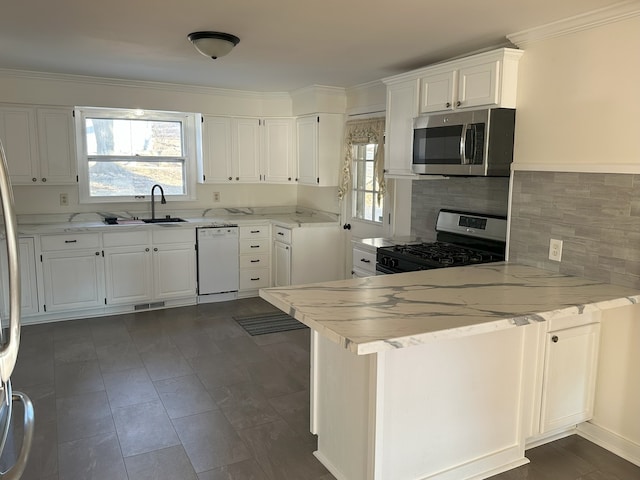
123	137
135	178
365	184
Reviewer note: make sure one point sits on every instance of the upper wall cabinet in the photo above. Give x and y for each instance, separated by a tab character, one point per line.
483	80
39	144
319	140
247	150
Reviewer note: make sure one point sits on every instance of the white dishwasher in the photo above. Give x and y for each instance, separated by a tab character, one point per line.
218	269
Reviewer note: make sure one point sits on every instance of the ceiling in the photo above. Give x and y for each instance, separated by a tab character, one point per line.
284	44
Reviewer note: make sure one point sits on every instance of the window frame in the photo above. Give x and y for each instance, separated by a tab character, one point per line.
191	139
356	191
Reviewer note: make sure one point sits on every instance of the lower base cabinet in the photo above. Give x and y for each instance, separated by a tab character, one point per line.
563	374
307	255
144	267
569	381
72	271
28	283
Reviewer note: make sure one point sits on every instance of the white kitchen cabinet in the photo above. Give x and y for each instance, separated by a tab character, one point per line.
247	150
19	138
281	264
402	108
56	142
314	254
570	365
255	259
174	271
278	147
28	278
484	80
39	143
319	141
73	272
245	143
149	266
128	267
216	164
363	261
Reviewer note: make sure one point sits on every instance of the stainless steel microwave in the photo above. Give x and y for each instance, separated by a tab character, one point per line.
478	143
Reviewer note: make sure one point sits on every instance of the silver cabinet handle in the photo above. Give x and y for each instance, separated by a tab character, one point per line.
364	260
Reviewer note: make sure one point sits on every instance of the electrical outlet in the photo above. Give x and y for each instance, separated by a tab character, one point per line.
555	250
216	196
64	199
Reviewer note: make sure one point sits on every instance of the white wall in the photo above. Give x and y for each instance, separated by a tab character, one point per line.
578	98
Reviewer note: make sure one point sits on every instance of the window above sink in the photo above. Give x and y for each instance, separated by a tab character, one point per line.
122	153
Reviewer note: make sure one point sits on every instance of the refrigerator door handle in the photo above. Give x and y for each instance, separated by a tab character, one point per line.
9	350
15	472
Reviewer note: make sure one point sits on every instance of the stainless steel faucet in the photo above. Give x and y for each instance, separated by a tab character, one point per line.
163	200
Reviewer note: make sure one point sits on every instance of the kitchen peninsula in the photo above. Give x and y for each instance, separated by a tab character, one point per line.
439	374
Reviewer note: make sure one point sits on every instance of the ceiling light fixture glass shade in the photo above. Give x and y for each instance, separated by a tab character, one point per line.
213	44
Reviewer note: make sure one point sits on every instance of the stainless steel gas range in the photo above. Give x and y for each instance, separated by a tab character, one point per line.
462	238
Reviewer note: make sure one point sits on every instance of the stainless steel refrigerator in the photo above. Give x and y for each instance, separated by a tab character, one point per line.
14	452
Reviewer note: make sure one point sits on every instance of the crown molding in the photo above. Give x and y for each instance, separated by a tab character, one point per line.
316	89
603	16
117	82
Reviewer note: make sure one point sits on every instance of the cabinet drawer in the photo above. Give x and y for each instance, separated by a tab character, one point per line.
254	278
282	234
68	242
257	245
364	260
173	235
254	261
254	231
121	239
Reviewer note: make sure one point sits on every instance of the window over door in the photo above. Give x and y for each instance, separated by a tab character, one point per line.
122	153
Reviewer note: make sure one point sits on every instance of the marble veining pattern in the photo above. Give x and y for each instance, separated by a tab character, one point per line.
374	314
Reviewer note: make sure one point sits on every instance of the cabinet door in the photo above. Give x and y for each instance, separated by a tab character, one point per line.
217	162
278	150
56	146
402	101
437	92
478	85
73	280
246	146
174	271
28	282
128	273
307	149
18	135
569	376
281	264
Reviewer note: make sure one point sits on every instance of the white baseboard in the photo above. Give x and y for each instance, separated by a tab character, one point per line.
536	441
329	466
621	446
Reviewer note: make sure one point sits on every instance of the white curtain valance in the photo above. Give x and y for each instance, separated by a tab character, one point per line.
363	132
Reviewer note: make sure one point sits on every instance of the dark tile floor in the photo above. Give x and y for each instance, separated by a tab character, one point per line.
186	394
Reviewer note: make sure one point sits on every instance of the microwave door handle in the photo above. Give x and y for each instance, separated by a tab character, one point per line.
468	144
463	147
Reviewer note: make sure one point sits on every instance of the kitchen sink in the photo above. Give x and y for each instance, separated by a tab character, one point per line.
166	219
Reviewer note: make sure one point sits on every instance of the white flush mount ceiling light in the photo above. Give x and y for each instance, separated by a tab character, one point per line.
213	44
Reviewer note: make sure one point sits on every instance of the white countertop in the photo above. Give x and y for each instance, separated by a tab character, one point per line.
90	222
373	314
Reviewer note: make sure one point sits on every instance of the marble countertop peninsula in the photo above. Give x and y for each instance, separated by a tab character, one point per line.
385	312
